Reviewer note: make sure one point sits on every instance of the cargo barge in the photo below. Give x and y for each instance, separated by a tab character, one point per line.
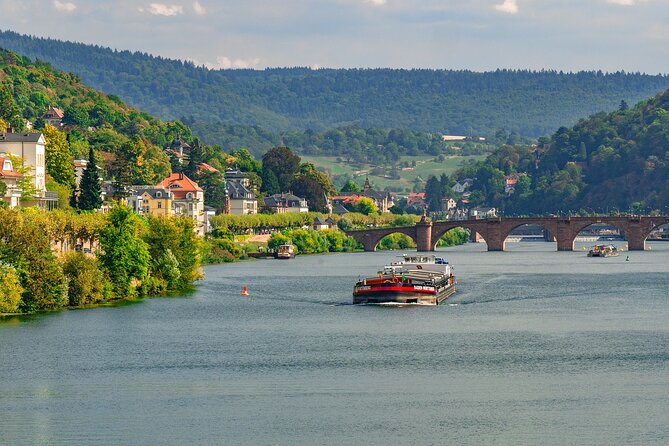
416	279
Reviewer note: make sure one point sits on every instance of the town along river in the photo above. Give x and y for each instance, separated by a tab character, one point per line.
536	347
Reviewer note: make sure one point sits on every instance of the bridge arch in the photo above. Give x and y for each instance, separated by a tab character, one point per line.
549	229
656	222
370	239
438	233
382	243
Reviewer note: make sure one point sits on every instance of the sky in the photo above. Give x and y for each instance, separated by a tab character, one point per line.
480	35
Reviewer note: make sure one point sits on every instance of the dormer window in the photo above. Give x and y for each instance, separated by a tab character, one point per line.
189	195
7	165
159	195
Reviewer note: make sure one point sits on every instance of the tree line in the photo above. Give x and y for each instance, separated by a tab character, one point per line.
134	256
532	103
608	162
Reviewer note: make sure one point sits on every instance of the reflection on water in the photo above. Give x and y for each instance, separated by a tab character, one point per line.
537	347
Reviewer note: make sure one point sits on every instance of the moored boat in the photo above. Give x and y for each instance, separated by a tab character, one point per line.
416	279
603	251
285	252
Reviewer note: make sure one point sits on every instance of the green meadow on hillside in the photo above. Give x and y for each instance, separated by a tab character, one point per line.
416	167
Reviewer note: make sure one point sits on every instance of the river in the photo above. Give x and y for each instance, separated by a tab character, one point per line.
537	347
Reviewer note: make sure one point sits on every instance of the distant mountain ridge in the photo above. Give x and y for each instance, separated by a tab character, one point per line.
457	102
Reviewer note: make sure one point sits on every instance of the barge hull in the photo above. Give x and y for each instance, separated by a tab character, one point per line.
402	297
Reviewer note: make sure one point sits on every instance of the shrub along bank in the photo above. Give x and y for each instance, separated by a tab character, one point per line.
137	257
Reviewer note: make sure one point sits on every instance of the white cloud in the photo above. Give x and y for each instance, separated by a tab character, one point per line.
164	10
223	62
64	6
622	2
198	8
508	7
376	2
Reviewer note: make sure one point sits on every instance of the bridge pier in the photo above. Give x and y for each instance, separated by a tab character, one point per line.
493	236
636	236
424	235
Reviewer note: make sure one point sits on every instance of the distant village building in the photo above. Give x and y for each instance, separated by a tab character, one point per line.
10	177
209	212
453	138
457	214
79	167
448	203
382	200
338	209
179	150
188	198
461	186
54	116
286	203
483	212
242	199
151	200
324	224
416	200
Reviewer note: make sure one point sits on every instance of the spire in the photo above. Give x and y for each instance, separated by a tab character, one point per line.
366	186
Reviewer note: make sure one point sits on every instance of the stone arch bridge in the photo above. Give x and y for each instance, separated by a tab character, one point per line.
564	230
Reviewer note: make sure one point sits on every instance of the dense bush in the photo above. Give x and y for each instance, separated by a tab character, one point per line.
86	283
10	289
166	258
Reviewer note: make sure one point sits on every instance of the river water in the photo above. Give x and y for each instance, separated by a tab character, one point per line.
537	347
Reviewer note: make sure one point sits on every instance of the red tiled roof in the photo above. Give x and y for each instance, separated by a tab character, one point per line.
180	185
54	112
207	167
7	173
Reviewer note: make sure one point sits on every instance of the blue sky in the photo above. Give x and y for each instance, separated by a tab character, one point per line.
610	35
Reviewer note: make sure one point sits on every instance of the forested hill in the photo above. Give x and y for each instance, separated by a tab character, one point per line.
456	102
130	141
610	161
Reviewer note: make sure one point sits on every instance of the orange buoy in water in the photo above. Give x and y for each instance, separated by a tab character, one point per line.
244	292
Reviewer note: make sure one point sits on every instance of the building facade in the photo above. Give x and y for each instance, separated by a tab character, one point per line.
30	147
151	200
241	198
187	198
286	203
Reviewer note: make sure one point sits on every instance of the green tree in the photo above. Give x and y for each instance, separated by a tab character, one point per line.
125	256
350	186
86	283
433	193
270	183
283	163
366	206
90	195
59	160
10	289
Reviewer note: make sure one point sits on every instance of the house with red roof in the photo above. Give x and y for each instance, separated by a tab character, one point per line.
54	116
188	198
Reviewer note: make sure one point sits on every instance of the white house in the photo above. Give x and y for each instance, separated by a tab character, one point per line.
30	147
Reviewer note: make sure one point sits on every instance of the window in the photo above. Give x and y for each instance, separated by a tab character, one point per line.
160	205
